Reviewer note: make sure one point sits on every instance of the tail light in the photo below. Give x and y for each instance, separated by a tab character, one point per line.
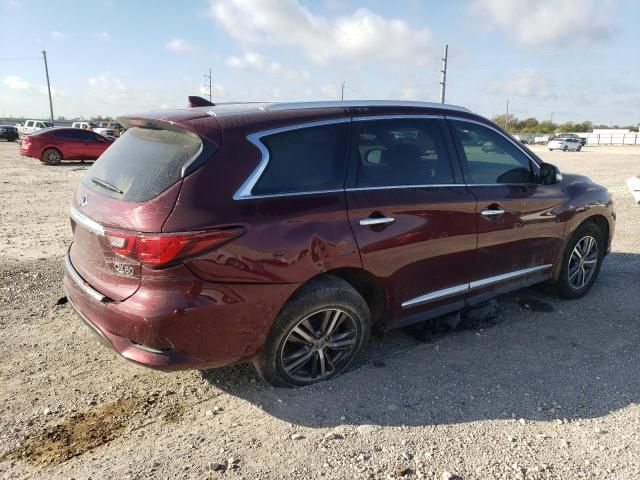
156	250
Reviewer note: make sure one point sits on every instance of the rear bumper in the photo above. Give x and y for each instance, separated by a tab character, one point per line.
28	152
176	325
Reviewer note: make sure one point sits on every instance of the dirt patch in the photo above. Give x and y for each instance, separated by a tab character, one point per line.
76	435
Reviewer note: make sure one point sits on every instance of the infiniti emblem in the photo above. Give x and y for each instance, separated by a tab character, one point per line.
83	200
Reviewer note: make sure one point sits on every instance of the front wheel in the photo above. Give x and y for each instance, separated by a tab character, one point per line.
565	148
317	335
581	262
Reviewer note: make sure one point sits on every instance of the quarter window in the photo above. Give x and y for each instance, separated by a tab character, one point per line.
305	160
490	158
398	152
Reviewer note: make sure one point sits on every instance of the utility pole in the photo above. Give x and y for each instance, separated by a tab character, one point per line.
552	118
342	95
443	80
46	71
506	117
208	84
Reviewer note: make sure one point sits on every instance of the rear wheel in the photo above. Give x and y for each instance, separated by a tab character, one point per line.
581	262
579	148
318	333
51	156
565	148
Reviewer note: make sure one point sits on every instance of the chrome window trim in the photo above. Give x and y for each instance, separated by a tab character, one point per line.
291	194
524	152
395	187
391	116
86	222
77	279
446	292
245	190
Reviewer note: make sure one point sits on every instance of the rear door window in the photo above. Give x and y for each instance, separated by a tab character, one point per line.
143	163
490	158
305	160
399	152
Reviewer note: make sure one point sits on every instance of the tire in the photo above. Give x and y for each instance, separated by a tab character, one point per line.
51	156
551	149
323	303
579	148
565	148
571	283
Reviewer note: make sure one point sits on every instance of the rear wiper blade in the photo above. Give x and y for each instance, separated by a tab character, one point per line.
106	185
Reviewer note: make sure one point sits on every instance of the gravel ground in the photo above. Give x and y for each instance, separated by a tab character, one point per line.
551	391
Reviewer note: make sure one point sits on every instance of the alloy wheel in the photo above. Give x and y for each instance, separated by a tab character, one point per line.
583	262
53	157
316	346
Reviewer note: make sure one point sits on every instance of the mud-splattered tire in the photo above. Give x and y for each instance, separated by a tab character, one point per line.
581	261
317	334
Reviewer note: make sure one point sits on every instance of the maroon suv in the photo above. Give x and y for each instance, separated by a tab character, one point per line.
283	233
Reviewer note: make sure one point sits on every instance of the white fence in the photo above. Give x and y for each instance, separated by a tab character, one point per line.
611	138
592	138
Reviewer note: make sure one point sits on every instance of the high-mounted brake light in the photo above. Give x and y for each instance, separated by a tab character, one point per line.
162	249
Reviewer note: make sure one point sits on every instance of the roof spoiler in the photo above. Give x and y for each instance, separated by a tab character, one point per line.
195	101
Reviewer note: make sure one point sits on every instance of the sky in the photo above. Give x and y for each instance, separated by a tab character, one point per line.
570	60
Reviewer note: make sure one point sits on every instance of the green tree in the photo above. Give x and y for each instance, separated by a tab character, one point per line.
546	127
503	120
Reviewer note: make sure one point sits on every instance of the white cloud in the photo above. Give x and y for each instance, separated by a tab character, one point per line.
107	83
361	36
178	45
104	36
543	23
16	83
330	91
217	91
414	88
259	62
524	83
55	35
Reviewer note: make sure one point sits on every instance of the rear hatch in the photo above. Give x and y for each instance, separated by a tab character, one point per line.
120	206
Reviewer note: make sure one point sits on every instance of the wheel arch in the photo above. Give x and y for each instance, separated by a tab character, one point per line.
600	221
364	282
53	147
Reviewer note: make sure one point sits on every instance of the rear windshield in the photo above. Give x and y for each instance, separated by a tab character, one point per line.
142	163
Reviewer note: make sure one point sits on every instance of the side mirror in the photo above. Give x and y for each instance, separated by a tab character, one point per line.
550	174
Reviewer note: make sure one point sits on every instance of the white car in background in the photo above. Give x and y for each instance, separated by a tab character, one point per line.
564	144
107	132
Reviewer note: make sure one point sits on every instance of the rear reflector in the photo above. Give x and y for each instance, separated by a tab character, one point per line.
162	249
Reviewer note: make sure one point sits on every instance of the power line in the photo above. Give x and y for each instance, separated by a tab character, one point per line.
19	58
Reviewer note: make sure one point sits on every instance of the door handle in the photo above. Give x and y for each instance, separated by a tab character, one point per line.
368	222
492	212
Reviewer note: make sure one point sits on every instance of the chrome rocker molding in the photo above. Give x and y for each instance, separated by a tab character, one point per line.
447	292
